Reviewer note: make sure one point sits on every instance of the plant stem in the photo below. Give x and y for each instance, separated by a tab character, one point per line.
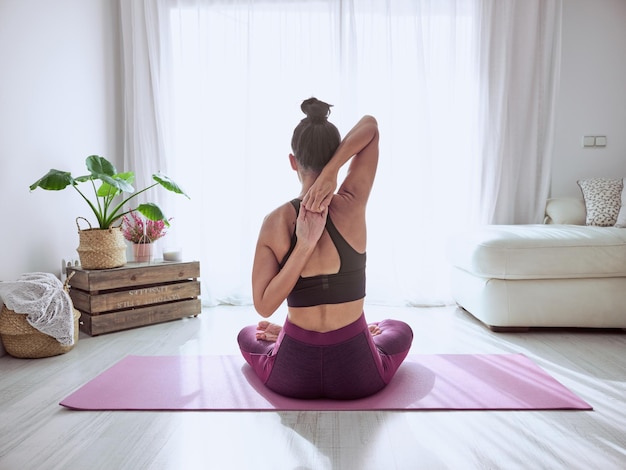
121	204
93	208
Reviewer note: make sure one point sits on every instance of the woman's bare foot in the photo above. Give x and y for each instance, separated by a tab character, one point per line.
267	331
374	329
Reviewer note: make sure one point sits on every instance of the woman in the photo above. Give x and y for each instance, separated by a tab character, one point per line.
311	251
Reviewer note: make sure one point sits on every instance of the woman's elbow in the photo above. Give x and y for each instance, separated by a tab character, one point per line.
264	310
369	120
264	313
369	125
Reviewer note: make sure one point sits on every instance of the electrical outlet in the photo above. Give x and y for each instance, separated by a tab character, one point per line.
68	263
589	141
592	141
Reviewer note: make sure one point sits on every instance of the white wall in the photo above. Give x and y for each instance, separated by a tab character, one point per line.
592	99
59	102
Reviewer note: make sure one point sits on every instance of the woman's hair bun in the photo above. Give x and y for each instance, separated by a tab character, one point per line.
315	110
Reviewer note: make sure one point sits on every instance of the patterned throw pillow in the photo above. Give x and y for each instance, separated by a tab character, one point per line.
621	217
603	199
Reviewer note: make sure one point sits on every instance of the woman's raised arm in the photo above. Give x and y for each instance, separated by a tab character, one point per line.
361	142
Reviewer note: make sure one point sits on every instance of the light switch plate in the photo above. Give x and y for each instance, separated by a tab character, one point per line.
589	141
600	141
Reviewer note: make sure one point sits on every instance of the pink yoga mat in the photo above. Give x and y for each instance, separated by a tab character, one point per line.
423	382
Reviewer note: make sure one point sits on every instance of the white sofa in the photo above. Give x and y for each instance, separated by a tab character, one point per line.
563	273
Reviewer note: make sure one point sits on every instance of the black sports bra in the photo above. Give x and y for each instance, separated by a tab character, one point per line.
346	285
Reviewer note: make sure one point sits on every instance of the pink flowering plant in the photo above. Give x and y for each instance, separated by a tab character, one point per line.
139	230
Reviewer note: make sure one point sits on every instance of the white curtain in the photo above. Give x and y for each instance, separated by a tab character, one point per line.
463	91
518	52
146	91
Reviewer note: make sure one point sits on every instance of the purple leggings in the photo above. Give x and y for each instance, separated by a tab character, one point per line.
347	363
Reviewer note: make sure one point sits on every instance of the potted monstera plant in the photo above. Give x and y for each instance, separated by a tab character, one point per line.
103	247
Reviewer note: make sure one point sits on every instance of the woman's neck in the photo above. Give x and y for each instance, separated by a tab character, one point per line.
307	179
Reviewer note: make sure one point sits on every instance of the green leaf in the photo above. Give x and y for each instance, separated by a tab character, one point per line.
82	179
54	180
168	184
98	166
153	212
128	176
116	184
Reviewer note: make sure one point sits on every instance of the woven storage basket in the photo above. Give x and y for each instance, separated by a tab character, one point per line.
20	339
101	248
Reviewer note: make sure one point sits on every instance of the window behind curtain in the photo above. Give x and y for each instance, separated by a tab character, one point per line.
238	73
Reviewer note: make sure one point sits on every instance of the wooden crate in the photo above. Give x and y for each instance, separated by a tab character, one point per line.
136	294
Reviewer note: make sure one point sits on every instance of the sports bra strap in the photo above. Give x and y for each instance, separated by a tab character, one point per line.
350	258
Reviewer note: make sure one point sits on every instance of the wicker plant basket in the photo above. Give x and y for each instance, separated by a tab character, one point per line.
20	339
101	248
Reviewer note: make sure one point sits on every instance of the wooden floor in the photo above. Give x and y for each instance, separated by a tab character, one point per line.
37	433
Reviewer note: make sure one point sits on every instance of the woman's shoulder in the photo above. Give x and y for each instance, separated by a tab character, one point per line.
283	216
278	229
348	216
287	209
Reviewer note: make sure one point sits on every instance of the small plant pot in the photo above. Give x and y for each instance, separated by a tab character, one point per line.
101	248
143	252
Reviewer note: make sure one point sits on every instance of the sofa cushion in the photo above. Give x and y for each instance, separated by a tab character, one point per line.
603	199
565	210
540	251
